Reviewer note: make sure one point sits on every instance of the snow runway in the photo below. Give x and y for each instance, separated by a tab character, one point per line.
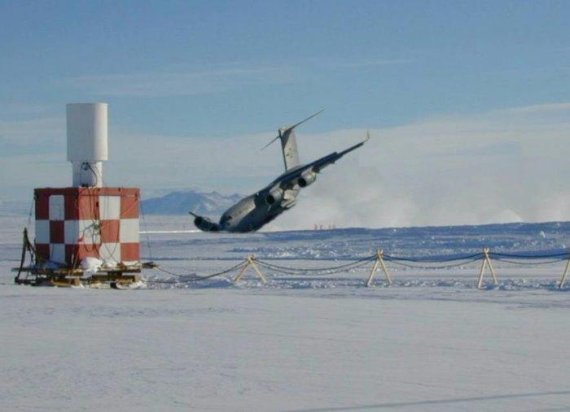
428	343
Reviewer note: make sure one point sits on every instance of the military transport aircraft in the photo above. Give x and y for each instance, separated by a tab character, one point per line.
254	211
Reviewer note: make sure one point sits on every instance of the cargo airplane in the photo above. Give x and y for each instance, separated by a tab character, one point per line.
254	211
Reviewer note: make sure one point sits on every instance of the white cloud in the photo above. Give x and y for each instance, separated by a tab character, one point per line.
357	64
33	131
180	83
542	108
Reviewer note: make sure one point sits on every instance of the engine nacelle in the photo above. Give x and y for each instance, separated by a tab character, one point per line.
205	224
274	196
307	178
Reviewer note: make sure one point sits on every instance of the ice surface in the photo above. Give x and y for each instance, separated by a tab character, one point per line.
430	342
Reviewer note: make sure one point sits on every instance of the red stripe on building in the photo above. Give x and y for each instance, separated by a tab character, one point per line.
130	252
56	231
110	231
42	204
130	206
42	252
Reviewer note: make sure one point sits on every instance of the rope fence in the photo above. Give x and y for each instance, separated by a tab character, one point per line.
380	260
198	278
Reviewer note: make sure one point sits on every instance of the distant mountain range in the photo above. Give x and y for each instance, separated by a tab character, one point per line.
180	203
174	203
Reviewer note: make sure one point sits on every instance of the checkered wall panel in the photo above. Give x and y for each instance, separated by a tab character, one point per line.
74	223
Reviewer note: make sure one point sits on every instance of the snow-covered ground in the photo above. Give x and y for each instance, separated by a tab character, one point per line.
430	342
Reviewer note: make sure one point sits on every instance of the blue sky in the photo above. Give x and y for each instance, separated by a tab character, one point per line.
187	72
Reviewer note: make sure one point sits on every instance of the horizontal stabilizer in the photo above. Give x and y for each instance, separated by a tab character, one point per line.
286	130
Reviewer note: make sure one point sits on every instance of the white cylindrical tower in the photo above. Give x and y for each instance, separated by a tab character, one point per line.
87	142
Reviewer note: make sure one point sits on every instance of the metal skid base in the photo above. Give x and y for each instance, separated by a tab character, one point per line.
77	278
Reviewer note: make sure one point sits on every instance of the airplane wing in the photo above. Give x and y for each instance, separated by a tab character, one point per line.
289	179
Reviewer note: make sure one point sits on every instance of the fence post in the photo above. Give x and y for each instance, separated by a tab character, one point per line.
563	278
379	261
486	262
250	261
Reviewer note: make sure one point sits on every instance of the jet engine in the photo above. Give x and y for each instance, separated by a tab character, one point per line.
274	196
205	224
307	178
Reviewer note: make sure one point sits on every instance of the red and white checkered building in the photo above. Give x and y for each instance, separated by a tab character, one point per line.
78	222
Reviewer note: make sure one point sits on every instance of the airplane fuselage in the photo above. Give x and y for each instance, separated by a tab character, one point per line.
253	212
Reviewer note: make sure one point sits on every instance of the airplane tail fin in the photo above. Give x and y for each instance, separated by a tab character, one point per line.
289	143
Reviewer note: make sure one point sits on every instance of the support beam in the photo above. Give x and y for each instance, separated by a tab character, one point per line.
379	261
486	262
250	261
564	275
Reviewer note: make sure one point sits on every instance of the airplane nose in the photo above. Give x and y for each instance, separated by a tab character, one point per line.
225	220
